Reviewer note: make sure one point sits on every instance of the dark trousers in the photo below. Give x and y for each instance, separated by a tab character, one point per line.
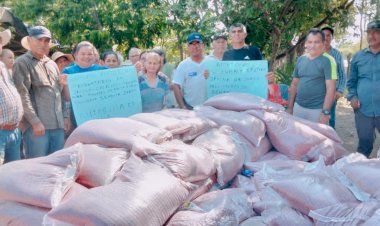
365	127
332	115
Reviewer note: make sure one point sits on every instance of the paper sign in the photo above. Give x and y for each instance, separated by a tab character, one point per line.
104	94
237	76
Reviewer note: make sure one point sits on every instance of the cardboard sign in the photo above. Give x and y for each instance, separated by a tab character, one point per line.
104	94
237	76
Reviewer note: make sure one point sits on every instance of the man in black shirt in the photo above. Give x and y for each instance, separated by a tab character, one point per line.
240	50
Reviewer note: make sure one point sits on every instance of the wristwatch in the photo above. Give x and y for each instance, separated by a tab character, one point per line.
325	112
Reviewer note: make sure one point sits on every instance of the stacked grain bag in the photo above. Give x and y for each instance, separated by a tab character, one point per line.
180	167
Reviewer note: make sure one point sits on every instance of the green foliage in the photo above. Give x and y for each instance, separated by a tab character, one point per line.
274	26
284	73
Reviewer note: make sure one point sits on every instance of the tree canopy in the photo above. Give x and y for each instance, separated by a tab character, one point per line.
276	27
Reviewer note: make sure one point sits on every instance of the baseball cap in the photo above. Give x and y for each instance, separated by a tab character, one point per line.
39	32
373	25
195	36
36	32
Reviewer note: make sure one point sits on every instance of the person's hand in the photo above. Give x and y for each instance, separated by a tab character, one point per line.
67	124
38	129
139	66
338	95
271	77
63	79
324	119
171	86
206	74
355	103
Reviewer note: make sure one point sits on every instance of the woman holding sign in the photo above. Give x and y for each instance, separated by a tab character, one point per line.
84	54
154	87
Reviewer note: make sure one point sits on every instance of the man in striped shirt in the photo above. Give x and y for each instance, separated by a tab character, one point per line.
10	111
312	90
341	82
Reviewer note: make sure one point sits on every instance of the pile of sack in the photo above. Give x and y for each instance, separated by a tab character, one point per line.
236	160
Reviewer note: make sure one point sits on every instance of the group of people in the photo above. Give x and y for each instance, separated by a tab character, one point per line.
35	98
319	80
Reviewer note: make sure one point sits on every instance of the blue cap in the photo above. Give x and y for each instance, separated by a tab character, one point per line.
39	32
373	25
195	36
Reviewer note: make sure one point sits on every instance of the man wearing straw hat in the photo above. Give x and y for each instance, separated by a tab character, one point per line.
10	111
37	80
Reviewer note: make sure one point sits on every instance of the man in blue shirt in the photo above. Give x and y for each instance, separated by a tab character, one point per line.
341	82
363	89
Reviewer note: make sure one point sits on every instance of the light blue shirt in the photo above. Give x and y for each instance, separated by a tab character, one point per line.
76	69
364	82
342	79
153	98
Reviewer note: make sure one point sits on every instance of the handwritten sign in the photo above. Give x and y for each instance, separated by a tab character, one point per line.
237	76
104	94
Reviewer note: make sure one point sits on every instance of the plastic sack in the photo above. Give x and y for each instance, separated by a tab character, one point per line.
142	194
253	221
223	207
187	162
374	220
17	214
344	213
241	102
285	216
116	133
99	164
250	127
365	175
175	126
305	143
40	181
267	199
227	149
307	191
199	124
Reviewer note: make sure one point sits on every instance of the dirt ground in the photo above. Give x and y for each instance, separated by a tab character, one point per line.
345	127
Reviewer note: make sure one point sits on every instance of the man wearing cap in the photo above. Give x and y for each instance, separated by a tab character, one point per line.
363	89
219	46
341	82
189	79
37	80
10	111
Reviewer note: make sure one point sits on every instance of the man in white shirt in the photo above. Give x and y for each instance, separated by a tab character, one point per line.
189	81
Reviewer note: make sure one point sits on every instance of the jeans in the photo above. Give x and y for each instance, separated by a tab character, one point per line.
10	141
365	127
37	146
332	115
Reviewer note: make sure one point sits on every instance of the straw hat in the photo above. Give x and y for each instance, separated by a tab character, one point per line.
58	55
5	37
